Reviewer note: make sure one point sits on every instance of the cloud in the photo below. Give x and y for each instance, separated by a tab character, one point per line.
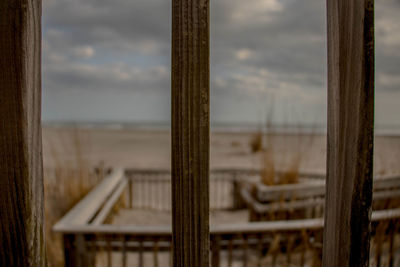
260	49
84	52
243	54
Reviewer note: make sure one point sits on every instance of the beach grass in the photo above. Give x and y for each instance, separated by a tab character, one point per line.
64	185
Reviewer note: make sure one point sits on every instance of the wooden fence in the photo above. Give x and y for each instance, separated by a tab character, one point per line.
90	242
307	199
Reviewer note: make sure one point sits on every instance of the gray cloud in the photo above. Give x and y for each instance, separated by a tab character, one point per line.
260	49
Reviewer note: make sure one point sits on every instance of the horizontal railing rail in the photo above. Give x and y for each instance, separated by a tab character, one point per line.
316	189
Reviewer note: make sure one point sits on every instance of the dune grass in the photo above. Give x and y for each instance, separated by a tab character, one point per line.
65	184
281	154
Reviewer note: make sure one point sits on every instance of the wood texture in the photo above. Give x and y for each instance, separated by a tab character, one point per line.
190	132
21	183
350	132
92	203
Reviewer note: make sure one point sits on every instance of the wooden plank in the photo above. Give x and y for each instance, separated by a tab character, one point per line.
316	188
387	182
350	132
221	229
87	208
70	253
21	171
116	195
278	205
190	132
309	189
215	251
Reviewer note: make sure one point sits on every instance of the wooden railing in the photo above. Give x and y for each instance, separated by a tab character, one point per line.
279	243
307	200
89	242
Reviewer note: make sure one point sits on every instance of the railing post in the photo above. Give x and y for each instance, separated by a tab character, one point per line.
130	192
70	255
22	241
215	251
350	132
238	202
190	133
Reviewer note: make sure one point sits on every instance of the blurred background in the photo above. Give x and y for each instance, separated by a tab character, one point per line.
106	91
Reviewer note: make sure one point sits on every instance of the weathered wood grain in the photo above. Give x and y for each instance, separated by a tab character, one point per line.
21	184
350	132
190	132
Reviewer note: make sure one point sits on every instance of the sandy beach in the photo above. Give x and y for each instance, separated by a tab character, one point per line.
151	149
71	148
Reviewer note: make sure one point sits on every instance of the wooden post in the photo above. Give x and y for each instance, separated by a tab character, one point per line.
70	253
22	240
190	132
350	132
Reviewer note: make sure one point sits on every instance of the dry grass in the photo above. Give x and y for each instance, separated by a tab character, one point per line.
65	184
256	142
282	154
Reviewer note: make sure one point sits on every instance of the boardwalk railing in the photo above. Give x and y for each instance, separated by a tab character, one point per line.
307	199
90	242
151	189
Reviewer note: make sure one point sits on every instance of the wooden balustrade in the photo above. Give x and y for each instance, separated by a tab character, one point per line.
89	242
278	243
306	200
151	189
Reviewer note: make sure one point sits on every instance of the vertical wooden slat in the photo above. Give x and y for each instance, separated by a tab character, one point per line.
290	243
70	255
391	233
245	250
230	251
81	251
260	250
190	132
215	250
130	192
155	253
90	251
124	256
21	183
109	251
350	132
378	250
141	261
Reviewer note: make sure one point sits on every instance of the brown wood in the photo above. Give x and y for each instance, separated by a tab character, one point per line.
190	132
350	132
70	253
215	251
21	183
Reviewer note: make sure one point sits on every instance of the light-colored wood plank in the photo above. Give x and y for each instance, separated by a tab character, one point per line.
87	208
190	132
350	132
309	189
222	229
105	210
21	171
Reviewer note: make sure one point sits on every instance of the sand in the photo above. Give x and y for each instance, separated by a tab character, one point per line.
71	148
151	149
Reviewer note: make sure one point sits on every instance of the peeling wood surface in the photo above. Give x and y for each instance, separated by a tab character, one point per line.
21	183
190	132
350	132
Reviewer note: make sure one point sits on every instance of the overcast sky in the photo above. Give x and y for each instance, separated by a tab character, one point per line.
109	60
